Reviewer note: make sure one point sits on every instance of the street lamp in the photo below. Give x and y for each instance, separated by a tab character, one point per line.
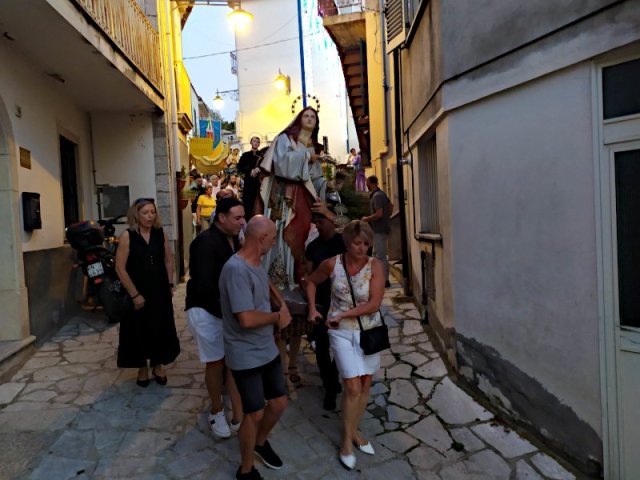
238	17
218	100
283	82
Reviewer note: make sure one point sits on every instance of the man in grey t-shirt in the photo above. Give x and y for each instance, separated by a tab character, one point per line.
380	221
250	348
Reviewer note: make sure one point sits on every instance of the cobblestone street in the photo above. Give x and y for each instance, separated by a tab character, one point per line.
70	413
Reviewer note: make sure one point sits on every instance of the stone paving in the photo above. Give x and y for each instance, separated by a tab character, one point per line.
70	413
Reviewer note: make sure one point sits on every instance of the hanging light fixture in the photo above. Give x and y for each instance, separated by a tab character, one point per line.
283	82
218	101
238	17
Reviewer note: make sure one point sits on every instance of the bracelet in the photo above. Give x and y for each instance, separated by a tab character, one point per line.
135	296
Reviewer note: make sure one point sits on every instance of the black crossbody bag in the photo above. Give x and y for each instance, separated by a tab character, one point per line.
375	339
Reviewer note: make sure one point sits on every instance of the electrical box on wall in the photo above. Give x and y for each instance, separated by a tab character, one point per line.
31	211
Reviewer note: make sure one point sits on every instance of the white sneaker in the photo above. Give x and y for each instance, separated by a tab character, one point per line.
219	425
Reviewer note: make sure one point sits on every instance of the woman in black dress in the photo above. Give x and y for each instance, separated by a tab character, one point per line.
144	263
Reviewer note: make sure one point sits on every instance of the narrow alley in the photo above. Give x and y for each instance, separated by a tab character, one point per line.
70	413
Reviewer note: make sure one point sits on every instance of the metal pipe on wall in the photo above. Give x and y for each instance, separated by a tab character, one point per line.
301	45
400	174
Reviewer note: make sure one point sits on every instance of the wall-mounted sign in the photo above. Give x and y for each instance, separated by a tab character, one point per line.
25	158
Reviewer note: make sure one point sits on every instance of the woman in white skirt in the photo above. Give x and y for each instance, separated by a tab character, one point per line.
355	368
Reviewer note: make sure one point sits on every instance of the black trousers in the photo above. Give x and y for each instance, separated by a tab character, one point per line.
327	367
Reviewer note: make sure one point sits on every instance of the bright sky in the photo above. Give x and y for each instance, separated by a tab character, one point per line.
207	31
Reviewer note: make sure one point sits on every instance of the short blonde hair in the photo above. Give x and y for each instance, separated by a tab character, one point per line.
132	214
357	228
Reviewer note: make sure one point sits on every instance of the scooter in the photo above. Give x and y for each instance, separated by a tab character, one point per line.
97	258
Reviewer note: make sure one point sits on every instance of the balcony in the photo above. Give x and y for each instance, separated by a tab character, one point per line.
104	55
183	89
127	26
330	8
344	20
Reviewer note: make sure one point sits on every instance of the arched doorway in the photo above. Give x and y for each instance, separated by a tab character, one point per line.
13	293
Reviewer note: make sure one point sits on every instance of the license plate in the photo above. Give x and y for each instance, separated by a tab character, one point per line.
95	269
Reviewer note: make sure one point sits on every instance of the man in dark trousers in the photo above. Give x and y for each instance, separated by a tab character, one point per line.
327	245
380	221
208	252
248	167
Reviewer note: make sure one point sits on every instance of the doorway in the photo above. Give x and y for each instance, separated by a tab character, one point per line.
69	181
622	266
618	207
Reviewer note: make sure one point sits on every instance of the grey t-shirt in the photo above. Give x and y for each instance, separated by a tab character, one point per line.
378	200
244	287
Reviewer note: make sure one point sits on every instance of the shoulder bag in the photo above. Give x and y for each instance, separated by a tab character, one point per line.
375	339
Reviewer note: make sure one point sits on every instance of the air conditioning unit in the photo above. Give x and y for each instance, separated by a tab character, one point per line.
395	23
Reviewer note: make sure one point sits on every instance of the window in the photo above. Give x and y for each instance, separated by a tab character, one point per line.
620	89
428	186
68	179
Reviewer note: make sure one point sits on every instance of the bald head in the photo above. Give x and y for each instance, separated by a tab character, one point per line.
258	226
260	234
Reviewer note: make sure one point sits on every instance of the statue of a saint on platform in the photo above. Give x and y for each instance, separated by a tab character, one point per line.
295	181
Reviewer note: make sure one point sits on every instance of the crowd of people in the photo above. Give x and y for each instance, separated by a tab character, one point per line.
256	244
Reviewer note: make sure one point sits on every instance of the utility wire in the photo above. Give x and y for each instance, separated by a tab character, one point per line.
193	57
239	49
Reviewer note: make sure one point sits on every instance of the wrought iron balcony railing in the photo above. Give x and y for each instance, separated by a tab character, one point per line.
128	27
330	8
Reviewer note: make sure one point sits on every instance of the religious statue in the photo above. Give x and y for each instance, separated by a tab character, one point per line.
295	181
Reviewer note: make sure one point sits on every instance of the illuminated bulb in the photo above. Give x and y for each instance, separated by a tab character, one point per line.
239	18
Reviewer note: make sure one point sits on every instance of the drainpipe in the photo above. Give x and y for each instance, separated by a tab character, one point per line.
301	45
385	86
173	133
398	143
173	107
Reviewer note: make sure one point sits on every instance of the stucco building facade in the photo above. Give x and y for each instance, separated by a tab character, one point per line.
517	233
88	103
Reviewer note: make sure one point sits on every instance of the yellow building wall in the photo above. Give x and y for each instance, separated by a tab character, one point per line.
382	150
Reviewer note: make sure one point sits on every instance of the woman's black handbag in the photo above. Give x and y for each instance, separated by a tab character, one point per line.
375	339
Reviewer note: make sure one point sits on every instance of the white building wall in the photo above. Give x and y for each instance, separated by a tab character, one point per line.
123	146
266	111
327	83
522	186
39	113
263	110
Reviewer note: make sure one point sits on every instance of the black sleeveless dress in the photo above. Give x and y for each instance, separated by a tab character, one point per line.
148	333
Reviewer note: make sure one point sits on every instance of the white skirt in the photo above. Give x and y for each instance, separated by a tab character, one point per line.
350	359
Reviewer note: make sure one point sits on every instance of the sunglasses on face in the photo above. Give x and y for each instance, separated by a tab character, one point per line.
140	201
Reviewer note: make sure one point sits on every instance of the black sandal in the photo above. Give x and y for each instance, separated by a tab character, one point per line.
159	380
143	383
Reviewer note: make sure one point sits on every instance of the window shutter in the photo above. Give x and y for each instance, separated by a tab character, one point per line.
395	23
